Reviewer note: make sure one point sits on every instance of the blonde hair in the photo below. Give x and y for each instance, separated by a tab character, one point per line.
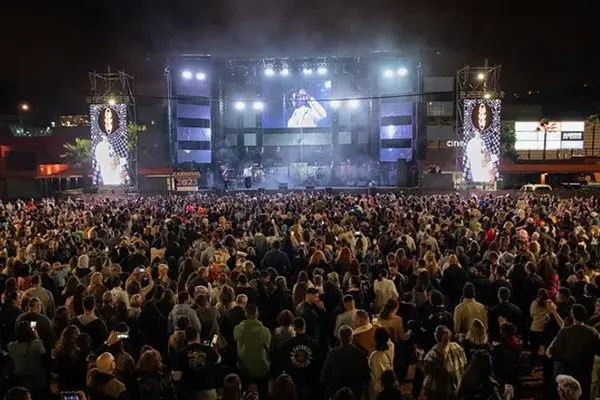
477	333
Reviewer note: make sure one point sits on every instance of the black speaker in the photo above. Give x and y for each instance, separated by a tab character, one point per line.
283	186
329	191
402	174
310	187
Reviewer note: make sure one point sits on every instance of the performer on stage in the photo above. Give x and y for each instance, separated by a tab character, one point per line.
247	177
109	163
307	113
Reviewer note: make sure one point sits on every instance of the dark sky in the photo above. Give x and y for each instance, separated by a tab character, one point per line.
48	47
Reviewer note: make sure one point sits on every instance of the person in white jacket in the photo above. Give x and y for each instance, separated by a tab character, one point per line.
384	290
381	360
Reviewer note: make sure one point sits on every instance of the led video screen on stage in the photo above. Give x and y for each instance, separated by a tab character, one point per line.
109	144
481	139
301	103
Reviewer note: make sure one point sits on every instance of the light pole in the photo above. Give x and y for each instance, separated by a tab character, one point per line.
24	107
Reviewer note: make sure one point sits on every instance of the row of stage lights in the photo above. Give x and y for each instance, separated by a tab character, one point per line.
335	104
390	73
285	71
188	75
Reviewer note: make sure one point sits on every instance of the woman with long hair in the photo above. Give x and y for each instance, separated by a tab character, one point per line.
67	358
478	381
151	380
96	288
75	302
232	389
476	339
284	388
62	319
443	366
317	260
541	310
343	260
70	286
281	297
549	276
187	269
381	360
226	301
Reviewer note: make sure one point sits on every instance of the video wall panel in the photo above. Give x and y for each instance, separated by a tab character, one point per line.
481	139
554	135
109	144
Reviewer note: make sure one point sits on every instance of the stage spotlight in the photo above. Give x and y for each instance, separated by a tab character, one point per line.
240	105
258	106
307	71
187	74
269	72
388	73
322	71
487	96
111	102
200	76
335	104
390	130
327	84
353	103
481	76
285	71
402	71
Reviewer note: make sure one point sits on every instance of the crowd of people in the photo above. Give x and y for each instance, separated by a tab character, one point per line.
300	296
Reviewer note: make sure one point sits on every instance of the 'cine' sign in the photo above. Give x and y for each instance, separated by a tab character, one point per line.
455	143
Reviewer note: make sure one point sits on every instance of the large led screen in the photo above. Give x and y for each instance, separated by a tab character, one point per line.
109	144
481	138
302	103
555	135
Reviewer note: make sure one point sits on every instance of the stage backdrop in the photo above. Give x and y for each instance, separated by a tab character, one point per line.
109	144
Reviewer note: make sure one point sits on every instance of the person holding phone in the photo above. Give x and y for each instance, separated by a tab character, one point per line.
30	359
195	366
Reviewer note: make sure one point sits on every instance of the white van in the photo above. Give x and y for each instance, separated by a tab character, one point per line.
535	188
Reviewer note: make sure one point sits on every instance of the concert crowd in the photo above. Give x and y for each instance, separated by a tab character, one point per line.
300	296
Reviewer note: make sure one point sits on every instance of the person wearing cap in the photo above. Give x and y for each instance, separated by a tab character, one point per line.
574	348
568	388
346	366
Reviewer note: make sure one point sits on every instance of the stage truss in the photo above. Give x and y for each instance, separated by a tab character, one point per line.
117	88
473	83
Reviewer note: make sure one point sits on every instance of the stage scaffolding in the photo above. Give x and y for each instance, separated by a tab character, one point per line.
474	82
117	88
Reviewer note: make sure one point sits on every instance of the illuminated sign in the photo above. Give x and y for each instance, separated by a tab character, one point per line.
186	181
554	135
481	139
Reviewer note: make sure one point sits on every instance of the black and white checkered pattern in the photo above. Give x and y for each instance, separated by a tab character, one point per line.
490	135
118	139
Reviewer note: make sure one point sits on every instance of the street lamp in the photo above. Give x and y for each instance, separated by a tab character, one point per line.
24	107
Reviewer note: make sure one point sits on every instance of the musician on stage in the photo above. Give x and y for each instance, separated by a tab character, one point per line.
247	174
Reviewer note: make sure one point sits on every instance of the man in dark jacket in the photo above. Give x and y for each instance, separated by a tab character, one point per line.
10	314
277	259
90	324
101	381
313	312
48	282
231	319
346	365
453	280
301	359
510	312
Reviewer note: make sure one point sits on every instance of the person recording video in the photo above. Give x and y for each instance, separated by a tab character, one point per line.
307	111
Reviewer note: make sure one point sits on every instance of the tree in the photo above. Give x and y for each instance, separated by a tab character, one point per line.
507	143
78	154
593	120
546	126
133	131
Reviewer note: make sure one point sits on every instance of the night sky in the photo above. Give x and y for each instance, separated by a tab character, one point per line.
48	47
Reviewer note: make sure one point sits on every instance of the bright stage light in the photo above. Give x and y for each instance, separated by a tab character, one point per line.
322	70
240	105
388	73
112	101
402	71
307	71
487	96
353	103
285	72
258	105
200	76
327	84
481	76
269	72
390	130
187	74
335	104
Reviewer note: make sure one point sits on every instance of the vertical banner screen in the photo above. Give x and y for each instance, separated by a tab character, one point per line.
481	140
109	144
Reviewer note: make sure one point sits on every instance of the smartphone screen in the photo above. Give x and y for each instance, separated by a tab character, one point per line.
123	336
69	396
213	342
32	324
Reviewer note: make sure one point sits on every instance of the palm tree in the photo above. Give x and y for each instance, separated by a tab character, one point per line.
546	126
78	154
133	131
593	120
507	142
